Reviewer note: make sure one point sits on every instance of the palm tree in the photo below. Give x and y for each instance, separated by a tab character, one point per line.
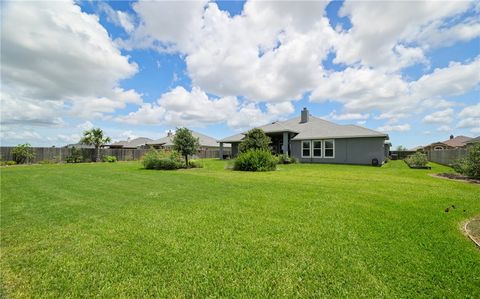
95	137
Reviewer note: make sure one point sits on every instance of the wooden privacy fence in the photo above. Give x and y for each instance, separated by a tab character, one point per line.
59	154
447	156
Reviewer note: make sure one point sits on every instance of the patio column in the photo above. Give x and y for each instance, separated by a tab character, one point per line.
285	143
221	151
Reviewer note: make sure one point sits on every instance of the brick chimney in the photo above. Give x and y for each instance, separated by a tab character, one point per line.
169	133
304	115
451	137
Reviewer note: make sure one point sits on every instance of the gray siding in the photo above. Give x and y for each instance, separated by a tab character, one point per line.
347	151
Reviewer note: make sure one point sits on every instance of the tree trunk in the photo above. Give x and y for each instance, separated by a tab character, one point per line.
186	161
97	158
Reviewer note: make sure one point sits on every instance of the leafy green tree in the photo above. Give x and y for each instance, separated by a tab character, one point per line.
185	143
470	166
255	139
95	137
23	153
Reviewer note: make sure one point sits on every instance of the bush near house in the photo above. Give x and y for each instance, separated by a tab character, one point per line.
255	160
23	153
470	166
109	159
417	160
75	156
159	159
285	159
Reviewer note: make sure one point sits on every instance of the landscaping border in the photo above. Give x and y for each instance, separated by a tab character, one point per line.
466	231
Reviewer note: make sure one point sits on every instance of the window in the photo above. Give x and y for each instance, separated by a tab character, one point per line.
317	148
438	148
305	149
329	147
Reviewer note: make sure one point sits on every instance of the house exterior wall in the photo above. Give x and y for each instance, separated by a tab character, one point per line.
347	151
235	149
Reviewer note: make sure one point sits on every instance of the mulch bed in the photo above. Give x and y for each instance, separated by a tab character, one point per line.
455	177
472	228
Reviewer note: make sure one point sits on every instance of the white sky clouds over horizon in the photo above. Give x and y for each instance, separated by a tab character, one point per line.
144	67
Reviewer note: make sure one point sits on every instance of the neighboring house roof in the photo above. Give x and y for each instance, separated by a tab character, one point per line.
134	143
314	128
416	148
79	145
473	140
457	141
204	140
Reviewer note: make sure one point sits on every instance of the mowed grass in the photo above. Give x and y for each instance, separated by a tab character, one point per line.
305	230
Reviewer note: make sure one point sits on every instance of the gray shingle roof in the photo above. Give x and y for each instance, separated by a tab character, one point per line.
134	143
204	140
315	128
473	140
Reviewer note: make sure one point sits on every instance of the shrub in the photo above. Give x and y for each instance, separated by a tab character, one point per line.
418	159
470	166
285	159
8	163
23	153
195	164
110	159
255	160
75	156
155	159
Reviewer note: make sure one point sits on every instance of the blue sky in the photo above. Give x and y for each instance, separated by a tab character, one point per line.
411	69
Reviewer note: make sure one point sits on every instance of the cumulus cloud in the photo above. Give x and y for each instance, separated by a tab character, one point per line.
396	24
180	107
348	116
117	17
58	56
444	128
273	52
394	128
439	117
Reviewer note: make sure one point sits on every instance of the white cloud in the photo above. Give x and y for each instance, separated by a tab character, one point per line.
470	118
362	89
396	23
394	128
57	57
444	128
272	52
454	80
439	117
284	108
348	116
470	111
117	17
180	107
85	126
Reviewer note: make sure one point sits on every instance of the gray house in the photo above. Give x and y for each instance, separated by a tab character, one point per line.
311	139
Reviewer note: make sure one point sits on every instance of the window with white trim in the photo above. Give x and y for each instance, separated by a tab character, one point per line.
317	148
438	148
329	148
306	149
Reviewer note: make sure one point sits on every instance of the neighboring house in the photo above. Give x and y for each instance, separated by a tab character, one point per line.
453	142
131	144
417	148
79	145
472	141
311	139
206	142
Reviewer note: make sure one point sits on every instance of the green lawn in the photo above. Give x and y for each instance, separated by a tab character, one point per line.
116	230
